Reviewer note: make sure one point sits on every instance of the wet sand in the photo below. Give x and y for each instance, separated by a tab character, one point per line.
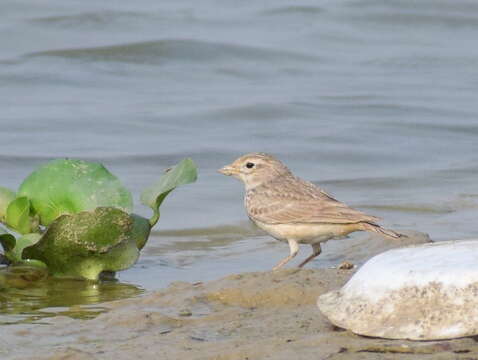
262	315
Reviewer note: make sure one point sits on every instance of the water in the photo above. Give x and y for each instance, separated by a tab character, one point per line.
374	101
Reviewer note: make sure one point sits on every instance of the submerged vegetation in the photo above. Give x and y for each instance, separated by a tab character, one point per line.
74	218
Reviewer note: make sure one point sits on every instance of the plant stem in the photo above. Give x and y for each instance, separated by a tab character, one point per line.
155	218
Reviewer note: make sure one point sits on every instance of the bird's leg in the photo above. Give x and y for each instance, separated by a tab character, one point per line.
316	250
294	249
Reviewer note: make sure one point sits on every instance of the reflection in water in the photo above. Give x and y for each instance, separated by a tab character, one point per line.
28	295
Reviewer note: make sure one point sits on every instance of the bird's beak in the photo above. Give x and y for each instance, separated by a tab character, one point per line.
228	170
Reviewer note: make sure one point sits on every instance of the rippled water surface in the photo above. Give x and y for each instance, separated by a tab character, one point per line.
376	101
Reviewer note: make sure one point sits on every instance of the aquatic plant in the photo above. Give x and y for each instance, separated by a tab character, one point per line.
75	218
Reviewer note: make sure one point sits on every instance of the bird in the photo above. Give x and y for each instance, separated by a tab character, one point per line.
293	210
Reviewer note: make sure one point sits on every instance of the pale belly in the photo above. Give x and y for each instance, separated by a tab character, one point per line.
308	233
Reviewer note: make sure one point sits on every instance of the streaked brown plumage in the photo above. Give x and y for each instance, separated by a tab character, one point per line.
293	210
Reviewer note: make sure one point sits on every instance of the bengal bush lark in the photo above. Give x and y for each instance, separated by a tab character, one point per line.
293	210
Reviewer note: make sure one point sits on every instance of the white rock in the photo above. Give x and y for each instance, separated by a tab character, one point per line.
423	292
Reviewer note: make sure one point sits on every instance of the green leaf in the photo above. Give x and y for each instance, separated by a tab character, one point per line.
13	248
15	255
85	244
18	215
183	173
67	186
7	240
6	197
141	230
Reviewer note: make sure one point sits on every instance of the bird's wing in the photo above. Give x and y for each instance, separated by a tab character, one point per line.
301	204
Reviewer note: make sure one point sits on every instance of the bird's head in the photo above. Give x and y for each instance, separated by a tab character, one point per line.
255	169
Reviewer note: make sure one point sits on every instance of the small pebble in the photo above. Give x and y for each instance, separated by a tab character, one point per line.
346	266
185	312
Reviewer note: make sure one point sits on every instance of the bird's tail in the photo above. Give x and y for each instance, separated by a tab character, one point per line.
386	232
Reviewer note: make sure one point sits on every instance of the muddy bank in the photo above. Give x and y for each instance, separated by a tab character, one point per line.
265	315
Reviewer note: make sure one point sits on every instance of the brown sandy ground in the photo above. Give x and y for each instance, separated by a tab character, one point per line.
266	315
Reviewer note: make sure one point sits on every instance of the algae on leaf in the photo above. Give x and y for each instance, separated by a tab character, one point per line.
87	243
183	173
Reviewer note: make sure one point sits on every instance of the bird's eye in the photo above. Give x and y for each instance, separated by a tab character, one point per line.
249	165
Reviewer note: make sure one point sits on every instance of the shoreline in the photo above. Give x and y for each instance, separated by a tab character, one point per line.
246	316
257	315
